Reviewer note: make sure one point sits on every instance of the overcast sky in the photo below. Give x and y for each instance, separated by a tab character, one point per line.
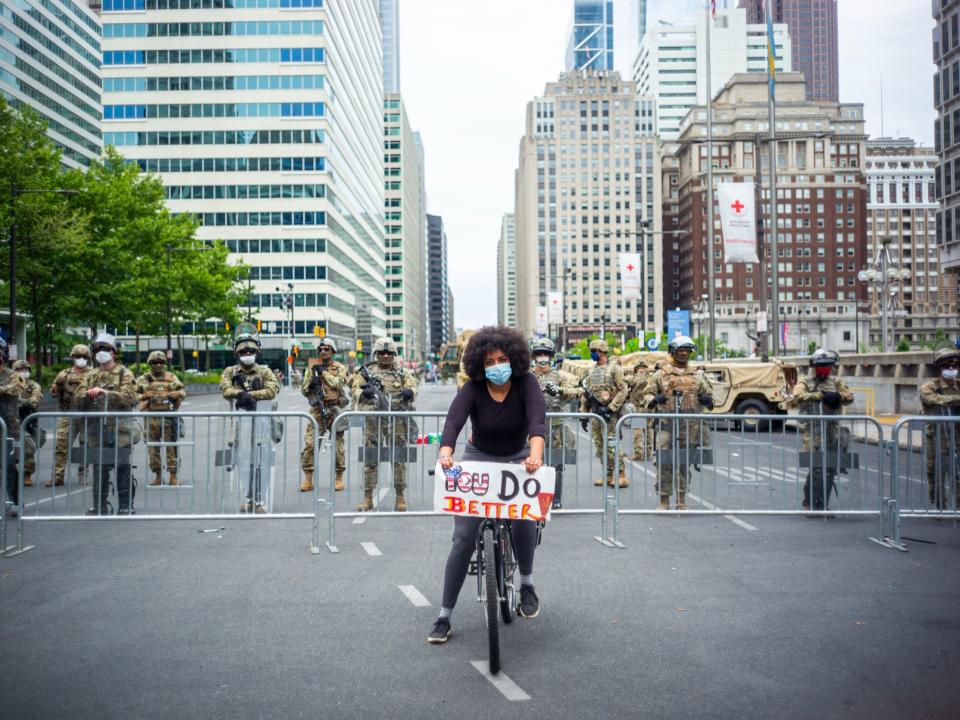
468	70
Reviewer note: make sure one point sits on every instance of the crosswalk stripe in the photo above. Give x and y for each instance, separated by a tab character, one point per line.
371	548
414	596
508	688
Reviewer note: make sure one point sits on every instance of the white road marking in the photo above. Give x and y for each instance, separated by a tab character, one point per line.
371	548
381	494
55	497
710	506
414	596
510	690
359	520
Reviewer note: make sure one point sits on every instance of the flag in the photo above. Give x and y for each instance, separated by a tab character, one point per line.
771	51
630	275
554	308
784	329
541	327
738	221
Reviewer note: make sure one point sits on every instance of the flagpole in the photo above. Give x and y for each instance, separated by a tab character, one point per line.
772	122
712	327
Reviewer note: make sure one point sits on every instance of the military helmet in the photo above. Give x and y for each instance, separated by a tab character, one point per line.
246	340
80	351
384	344
21	365
824	358
157	355
105	340
327	342
599	345
543	345
944	354
681	342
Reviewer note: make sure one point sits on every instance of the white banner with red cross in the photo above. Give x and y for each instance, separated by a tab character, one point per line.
494	490
738	222
555	308
630	275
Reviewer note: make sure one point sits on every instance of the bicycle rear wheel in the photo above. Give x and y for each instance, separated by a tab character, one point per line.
507	592
491	598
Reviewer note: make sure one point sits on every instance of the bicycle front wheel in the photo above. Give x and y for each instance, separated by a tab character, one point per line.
491	598
507	594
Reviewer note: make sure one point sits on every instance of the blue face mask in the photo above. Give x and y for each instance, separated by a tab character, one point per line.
595	356
498	374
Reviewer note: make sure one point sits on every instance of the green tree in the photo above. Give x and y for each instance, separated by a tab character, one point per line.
903	345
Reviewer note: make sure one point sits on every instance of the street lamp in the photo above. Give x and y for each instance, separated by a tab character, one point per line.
700	313
883	275
288	303
15	190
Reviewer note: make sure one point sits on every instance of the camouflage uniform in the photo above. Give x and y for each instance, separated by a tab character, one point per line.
558	389
942	440
674	381
64	389
807	397
115	433
606	383
161	392
392	432
643	433
30	399
11	385
333	378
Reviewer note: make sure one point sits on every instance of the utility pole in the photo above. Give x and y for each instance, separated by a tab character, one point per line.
169	309
772	122
712	324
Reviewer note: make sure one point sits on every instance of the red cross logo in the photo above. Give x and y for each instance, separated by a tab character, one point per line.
738	206
554	301
630	267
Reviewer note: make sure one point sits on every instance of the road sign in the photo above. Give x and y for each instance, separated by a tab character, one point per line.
653	343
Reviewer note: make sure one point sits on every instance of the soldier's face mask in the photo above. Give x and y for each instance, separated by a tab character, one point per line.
25	374
248	356
823	372
80	362
950	370
103	356
542	360
595	355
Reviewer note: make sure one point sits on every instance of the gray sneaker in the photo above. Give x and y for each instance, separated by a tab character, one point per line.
529	602
441	631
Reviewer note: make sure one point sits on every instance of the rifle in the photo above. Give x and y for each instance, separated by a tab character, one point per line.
240	381
596	406
316	398
381	399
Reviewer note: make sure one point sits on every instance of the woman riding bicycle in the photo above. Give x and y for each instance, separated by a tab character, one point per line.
505	406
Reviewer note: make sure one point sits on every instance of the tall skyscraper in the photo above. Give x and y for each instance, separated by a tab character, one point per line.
652	14
587	189
590	41
507	273
671	63
406	235
821	220
437	282
390	23
946	130
265	121
814	30
50	61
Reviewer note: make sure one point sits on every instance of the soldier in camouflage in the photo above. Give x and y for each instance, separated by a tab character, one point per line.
323	386
558	388
246	384
604	393
64	390
643	431
678	388
11	386
399	390
820	393
110	387
161	391
30	399
941	397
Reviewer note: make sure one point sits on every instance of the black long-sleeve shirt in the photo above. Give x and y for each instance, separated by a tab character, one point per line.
499	428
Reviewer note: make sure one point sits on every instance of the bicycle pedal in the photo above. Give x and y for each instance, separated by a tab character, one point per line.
472	567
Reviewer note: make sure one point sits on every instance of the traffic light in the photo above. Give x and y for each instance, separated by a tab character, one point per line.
323	332
359	355
259	325
296	351
359	345
316	330
227	326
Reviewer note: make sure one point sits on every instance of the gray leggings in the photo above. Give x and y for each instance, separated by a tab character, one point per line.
465	537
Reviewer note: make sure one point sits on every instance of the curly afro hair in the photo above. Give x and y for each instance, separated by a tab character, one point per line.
496	337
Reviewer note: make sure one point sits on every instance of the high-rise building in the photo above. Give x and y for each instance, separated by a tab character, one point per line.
437	282
821	212
406	235
671	63
390	23
265	120
50	61
652	14
946	132
588	189
814	31
590	40
451	324
506	273
902	208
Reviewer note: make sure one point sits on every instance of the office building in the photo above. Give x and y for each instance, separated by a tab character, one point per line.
590	39
405	226
670	66
814	33
390	24
265	121
50	61
506	273
588	189
946	133
437	283
821	213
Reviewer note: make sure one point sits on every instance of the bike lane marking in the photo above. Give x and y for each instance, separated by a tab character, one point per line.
359	520
508	688
414	596
732	518
371	548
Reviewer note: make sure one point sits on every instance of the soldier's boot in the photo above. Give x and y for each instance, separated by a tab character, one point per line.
598	482
157	480
367	504
27	480
623	477
664	502
681	501
610	481
81	477
307	484
338	483
401	503
173	477
50	483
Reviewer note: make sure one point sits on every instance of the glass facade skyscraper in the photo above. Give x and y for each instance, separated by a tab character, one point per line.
390	23
590	44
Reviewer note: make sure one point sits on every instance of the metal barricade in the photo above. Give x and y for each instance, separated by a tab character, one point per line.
105	465
823	465
386	452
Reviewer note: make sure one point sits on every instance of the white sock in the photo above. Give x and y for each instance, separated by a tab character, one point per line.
445	612
526	580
